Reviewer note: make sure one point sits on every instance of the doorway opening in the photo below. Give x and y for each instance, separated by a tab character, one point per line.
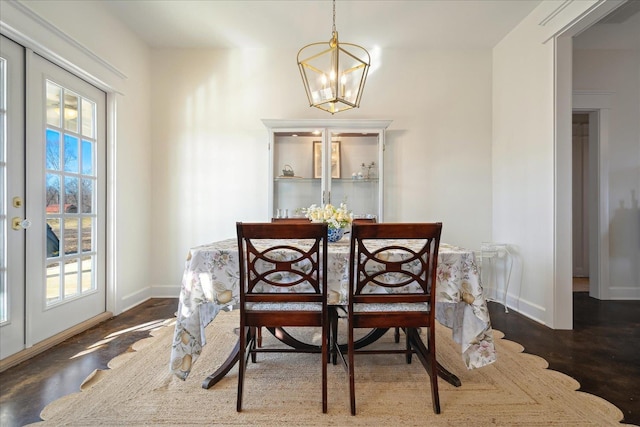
580	200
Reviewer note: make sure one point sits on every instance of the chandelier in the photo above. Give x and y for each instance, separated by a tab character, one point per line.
333	73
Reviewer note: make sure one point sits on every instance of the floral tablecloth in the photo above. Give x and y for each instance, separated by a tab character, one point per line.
211	283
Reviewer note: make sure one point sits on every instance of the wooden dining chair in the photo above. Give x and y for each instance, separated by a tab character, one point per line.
392	281
285	221
283	283
396	334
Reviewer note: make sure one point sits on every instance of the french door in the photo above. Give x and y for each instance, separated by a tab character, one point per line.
60	187
12	247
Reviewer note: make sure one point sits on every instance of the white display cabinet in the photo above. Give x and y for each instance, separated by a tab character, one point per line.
321	161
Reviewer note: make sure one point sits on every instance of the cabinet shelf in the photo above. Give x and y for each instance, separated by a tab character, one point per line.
340	180
356	181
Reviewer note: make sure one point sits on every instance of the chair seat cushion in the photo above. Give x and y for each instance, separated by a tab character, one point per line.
409	306
279	306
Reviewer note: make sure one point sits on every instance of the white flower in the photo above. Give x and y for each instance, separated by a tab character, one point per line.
335	217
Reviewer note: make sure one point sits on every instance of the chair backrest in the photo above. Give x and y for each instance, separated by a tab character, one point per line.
292	220
365	220
282	262
394	262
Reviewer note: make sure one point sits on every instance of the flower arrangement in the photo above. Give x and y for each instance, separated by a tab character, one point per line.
339	217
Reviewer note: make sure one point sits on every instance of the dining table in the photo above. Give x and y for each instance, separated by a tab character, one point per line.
211	280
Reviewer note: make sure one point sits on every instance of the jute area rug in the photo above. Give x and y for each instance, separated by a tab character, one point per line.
284	389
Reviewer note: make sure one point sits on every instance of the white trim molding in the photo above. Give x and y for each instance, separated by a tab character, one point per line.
43	38
599	104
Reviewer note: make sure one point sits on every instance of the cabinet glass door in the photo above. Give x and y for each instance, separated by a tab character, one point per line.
297	166
326	161
355	180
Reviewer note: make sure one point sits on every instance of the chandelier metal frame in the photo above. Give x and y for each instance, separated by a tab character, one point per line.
333	73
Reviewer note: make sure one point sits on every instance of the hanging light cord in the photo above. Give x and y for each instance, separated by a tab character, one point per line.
334	16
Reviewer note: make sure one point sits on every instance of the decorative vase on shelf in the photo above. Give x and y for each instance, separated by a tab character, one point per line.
335	234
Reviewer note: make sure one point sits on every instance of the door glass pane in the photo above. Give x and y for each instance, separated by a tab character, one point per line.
70	236
87	274
53	104
88	118
86	231
87	157
71	194
86	193
53	282
53	237
71	278
70	111
53	149
70	154
53	194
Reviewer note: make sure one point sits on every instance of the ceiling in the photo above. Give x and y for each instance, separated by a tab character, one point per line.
290	24
411	24
618	30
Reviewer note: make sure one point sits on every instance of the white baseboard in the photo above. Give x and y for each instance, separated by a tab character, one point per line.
526	308
624	293
154	291
127	302
165	291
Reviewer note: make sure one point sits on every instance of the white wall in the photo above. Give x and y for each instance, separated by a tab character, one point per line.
523	163
190	153
110	56
210	158
532	155
617	72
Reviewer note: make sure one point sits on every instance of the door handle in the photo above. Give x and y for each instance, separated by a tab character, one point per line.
18	223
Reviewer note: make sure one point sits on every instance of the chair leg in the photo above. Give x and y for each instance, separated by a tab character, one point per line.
325	362
426	352
397	335
352	373
254	340
244	338
333	321
435	396
409	354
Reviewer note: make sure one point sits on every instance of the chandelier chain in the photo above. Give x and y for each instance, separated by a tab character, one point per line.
334	16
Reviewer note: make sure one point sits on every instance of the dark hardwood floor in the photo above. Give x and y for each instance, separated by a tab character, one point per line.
602	353
28	387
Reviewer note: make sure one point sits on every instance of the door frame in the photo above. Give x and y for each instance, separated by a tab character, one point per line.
561	296
581	190
597	105
13	332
